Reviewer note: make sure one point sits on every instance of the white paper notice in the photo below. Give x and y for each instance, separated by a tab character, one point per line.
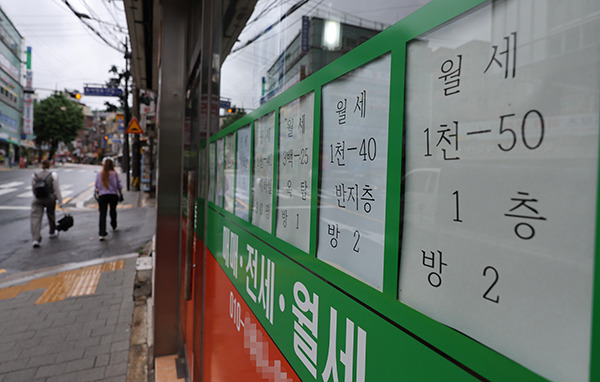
219	183
295	171
354	170
500	184
229	179
211	172
242	173
262	177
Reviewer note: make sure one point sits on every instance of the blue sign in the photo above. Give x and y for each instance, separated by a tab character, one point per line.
305	33
102	91
225	104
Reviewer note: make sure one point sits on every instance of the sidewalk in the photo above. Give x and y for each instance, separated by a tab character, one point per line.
84	321
71	323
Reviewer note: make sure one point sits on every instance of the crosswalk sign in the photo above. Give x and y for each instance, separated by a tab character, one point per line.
120	122
134	127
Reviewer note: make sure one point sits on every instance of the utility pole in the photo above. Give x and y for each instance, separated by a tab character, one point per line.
125	164
136	172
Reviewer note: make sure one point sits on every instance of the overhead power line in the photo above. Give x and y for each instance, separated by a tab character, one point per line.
110	11
101	23
293	9
82	17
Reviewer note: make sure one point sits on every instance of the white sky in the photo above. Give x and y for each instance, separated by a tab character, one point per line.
65	53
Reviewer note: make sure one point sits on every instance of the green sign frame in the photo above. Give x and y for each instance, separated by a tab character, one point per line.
446	353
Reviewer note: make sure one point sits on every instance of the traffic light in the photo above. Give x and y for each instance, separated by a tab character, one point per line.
74	94
232	110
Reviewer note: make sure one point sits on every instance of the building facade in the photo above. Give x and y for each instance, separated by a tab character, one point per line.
318	43
11	92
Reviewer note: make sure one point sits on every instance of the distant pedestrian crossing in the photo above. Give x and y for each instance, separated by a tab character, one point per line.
9	187
24	191
76	170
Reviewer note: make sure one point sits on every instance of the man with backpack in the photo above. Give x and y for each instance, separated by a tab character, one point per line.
46	192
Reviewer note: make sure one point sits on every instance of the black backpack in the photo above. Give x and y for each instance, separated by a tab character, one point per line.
42	187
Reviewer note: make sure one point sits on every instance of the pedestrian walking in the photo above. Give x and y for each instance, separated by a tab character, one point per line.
109	192
46	192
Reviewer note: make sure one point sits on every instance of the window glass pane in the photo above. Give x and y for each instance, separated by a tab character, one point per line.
500	188
274	52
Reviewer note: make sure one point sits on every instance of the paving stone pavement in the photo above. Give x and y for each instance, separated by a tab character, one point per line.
78	339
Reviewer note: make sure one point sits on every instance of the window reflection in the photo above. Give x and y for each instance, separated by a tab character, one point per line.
283	43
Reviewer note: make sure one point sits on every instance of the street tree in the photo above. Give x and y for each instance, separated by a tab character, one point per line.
56	119
120	80
231	118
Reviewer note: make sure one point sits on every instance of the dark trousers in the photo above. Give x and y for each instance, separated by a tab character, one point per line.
103	202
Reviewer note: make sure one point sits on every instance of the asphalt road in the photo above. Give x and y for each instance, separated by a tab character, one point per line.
136	220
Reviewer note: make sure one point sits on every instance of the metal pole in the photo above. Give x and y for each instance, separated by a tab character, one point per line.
167	334
125	164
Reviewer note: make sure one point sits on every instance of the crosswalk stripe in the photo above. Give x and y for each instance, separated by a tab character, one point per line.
11	185
7	190
29	194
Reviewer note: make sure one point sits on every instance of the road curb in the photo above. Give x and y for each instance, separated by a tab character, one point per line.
139	367
23	277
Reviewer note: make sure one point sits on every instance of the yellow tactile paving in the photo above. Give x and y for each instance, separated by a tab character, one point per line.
9	293
65	201
79	282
